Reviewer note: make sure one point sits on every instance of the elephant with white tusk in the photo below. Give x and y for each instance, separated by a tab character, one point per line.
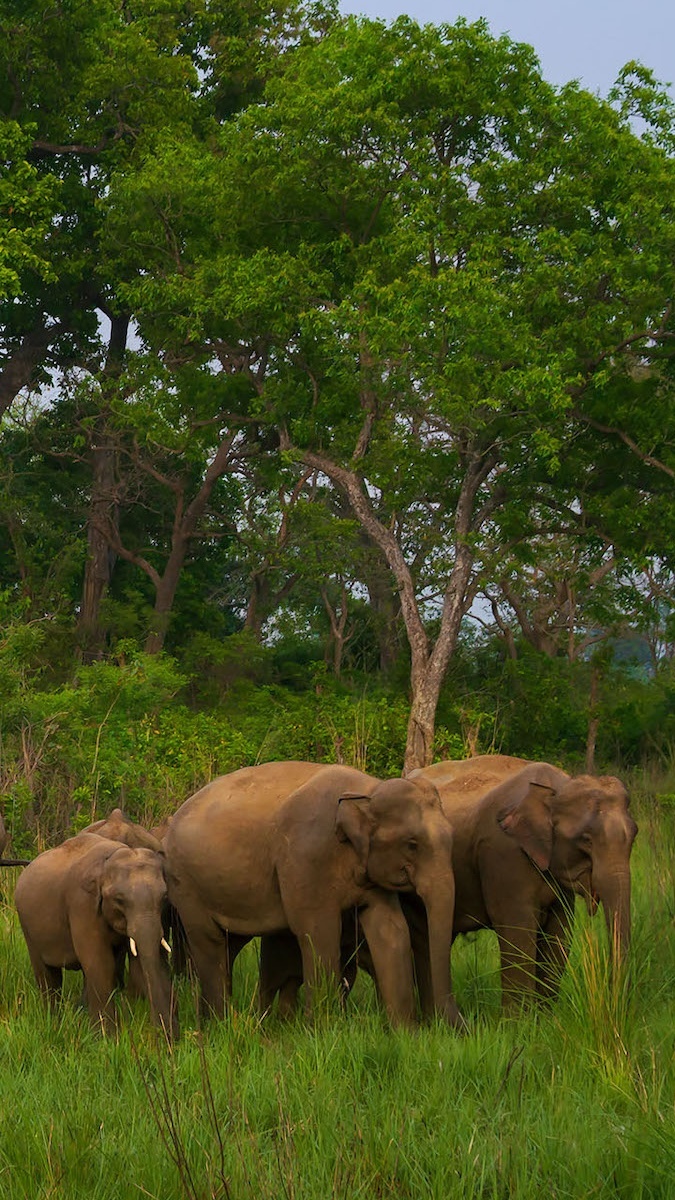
80	904
117	827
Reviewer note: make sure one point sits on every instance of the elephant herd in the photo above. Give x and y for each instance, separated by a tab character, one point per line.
335	869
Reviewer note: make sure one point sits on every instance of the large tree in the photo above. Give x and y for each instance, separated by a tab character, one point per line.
429	263
89	94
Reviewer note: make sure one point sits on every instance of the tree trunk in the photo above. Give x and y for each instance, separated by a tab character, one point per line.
18	371
428	666
100	558
338	626
164	597
185	526
419	746
103	514
386	609
258	603
593	721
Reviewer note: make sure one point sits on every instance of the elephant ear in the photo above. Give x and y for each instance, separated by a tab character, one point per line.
530	822
91	874
90	882
354	823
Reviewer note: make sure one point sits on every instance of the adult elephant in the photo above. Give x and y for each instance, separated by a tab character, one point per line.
524	847
82	903
472	777
118	827
292	846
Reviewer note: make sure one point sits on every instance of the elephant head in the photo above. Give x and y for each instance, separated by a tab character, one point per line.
132	898
580	830
403	841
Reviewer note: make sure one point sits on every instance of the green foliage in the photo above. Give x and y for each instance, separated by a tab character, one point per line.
120	733
354	253
539	707
144	732
27	202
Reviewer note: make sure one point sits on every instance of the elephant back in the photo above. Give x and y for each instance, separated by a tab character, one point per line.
465	781
117	827
262	785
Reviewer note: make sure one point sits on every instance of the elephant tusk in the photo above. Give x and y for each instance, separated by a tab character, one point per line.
166	945
132	947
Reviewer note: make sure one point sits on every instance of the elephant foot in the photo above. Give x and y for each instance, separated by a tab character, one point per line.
449	1012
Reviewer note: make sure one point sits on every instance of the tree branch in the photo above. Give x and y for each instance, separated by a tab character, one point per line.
612	431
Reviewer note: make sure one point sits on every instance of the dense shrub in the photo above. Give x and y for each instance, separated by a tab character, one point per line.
137	731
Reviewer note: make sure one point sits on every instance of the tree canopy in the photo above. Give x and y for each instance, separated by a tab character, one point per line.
362	281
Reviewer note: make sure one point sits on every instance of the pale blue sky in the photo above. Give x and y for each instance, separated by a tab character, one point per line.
589	40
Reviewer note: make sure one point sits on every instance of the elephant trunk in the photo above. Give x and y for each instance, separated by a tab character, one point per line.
156	978
613	891
439	902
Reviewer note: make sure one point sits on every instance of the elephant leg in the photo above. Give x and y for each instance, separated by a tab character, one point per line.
388	937
553	944
281	969
353	951
48	979
320	948
280	973
212	964
213	953
99	982
418	925
518	951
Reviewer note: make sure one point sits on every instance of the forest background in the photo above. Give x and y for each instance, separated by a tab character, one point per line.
336	402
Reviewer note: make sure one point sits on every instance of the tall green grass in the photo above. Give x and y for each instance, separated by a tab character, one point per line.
574	1101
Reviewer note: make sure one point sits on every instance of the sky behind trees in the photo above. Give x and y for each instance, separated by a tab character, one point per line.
589	40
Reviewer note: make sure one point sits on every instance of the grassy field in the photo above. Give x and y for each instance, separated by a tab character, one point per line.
578	1101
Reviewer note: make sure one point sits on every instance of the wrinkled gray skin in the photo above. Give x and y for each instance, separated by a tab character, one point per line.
292	846
522	851
79	904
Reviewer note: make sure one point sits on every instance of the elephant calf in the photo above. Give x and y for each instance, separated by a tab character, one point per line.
82	904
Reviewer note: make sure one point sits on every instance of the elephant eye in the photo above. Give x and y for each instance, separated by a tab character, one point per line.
412	844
